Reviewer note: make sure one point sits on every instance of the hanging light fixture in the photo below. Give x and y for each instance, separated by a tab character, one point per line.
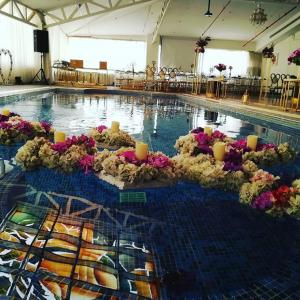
208	13
258	17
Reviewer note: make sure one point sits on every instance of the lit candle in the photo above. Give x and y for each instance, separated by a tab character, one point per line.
208	131
5	112
141	150
59	136
115	126
219	151
252	141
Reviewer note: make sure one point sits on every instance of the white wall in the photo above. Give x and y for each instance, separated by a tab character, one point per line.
283	50
179	52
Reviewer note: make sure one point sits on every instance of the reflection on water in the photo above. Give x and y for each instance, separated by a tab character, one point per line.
158	121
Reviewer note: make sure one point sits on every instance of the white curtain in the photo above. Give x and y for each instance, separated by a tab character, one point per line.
255	60
17	37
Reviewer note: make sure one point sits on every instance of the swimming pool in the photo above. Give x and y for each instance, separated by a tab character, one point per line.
206	242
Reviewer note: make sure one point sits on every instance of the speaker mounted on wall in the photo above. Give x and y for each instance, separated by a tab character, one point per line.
41	41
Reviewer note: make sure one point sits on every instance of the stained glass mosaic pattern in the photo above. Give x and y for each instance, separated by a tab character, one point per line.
46	255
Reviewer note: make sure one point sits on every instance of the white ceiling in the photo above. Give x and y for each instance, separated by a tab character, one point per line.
184	18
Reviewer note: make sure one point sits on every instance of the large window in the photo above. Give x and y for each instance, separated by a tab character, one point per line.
120	55
239	60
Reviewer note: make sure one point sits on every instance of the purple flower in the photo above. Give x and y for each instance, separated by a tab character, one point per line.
130	157
101	128
205	149
264	201
5	118
233	161
46	126
202	138
197	130
86	163
159	161
5	125
25	127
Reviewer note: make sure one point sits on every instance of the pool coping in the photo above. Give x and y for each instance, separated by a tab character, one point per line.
260	114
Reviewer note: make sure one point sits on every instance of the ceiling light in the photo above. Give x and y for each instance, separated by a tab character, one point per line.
208	13
258	17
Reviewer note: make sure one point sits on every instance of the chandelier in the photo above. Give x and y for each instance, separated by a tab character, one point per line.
258	17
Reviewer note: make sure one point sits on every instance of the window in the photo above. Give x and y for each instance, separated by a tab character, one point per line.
239	60
120	55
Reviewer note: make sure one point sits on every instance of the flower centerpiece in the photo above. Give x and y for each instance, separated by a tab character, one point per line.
15	130
125	170
228	175
220	67
201	43
264	193
5	117
110	139
264	154
198	142
65	156
294	57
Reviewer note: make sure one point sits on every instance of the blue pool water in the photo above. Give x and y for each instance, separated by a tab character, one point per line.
206	242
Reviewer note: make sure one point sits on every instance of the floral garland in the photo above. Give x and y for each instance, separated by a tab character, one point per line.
66	156
197	142
105	138
124	166
14	129
294	57
211	173
264	193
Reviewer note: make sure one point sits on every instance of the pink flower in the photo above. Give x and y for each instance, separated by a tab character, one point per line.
86	163
218	135
202	138
60	147
46	126
25	127
101	128
130	157
159	161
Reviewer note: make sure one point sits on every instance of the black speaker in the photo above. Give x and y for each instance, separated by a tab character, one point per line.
41	41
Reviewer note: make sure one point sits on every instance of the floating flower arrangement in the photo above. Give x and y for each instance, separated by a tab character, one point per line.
15	130
111	138
66	156
264	193
202	141
126	169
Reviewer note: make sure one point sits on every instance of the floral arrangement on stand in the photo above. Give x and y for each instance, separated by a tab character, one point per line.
124	169
201	43
109	138
268	52
264	193
294	57
67	156
220	67
15	129
201	141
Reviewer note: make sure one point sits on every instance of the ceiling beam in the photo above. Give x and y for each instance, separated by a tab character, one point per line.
292	2
160	19
19	11
90	10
